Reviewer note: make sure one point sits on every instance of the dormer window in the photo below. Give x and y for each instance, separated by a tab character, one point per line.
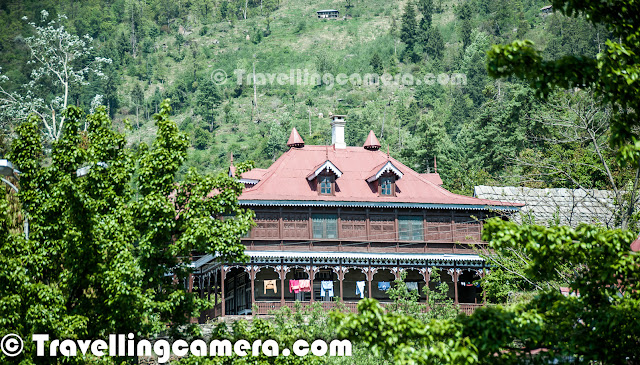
385	176
386	185
326	184
325	175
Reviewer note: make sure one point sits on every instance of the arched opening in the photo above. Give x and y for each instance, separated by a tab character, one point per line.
325	285
267	285
237	294
415	281
355	285
296	273
382	280
468	291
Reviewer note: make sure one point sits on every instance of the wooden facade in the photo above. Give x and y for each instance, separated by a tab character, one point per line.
372	230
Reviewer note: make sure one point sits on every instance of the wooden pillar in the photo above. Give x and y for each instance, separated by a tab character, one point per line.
426	275
455	285
215	292
222	277
369	279
340	271
282	277
484	292
252	276
311	271
190	283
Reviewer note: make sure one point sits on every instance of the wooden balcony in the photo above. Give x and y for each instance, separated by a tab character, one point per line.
266	308
350	246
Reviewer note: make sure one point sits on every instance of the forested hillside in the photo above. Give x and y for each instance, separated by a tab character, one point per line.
487	131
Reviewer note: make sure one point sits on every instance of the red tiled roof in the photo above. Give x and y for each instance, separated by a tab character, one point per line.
285	179
254	174
433	177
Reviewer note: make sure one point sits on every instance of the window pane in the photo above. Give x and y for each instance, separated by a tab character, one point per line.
325	185
411	228
386	186
325	225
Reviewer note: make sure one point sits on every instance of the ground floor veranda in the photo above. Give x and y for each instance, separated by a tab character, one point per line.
238	289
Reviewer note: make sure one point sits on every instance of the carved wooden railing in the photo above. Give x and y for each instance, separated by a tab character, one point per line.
268	307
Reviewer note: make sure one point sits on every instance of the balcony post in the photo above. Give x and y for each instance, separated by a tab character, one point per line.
340	271
311	271
369	279
252	270
341	278
426	275
215	292
223	275
454	273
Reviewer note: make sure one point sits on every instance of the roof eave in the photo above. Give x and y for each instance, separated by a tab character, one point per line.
364	204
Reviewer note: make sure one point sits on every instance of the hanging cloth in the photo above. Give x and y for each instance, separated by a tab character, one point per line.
270	285
326	287
294	286
412	285
304	285
384	285
360	289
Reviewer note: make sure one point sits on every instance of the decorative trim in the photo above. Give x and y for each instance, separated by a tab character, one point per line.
328	166
454	273
387	167
249	181
280	269
396	271
426	273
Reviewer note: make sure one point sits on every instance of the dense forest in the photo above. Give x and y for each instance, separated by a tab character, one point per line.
483	132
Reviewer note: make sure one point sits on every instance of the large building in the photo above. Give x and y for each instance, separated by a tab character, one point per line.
338	221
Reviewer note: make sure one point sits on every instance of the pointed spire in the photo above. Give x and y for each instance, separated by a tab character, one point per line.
372	143
387	152
294	139
435	164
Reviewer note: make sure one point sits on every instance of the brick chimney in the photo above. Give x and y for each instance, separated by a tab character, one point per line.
337	131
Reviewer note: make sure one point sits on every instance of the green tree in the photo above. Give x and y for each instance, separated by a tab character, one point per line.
465	13
61	57
376	63
96	261
613	74
137	98
426	9
435	44
408	30
207	101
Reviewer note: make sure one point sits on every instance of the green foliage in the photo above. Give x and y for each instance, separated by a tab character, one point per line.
597	325
208	99
376	63
604	273
613	74
96	259
403	338
408	30
426	9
